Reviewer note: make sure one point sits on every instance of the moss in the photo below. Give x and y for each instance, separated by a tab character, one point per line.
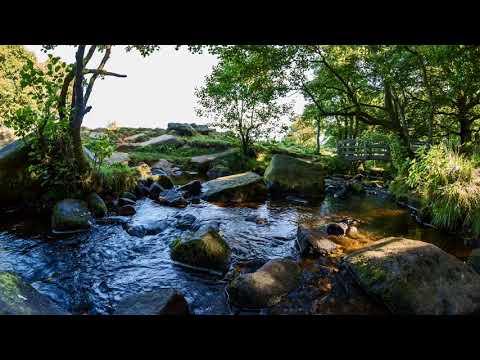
11	293
208	251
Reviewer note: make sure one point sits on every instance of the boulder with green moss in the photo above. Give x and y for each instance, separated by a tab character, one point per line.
286	174
70	216
20	298
236	188
414	277
204	250
96	205
266	286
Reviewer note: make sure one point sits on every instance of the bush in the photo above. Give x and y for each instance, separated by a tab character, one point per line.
115	178
449	186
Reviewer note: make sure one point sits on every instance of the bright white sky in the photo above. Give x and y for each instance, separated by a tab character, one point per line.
158	89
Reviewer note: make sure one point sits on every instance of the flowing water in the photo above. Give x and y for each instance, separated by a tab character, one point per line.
91	272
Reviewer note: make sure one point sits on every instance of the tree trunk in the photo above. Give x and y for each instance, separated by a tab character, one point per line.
78	112
317	150
465	132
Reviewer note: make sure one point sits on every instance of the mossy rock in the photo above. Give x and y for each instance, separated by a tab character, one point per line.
414	277
205	250
70	216
96	205
286	174
20	298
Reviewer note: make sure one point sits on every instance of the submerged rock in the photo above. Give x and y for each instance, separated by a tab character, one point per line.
235	188
96	205
414	277
337	229
314	241
204	250
71	216
151	228
257	219
164	301
286	174
266	286
186	222
20	298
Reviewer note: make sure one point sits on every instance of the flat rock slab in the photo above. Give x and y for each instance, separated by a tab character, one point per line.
118	157
133	137
158	140
236	188
414	277
203	160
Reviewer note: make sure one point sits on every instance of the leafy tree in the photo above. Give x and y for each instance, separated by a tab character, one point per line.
242	95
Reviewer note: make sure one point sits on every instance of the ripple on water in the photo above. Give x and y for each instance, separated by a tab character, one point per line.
96	270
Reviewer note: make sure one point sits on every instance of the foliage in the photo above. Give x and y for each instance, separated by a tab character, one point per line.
115	178
449	186
242	95
102	147
39	124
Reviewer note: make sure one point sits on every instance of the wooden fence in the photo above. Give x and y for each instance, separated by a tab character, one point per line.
354	150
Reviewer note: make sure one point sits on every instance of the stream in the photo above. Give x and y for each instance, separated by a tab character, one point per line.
90	273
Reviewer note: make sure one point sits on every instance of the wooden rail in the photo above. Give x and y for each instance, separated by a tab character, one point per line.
355	150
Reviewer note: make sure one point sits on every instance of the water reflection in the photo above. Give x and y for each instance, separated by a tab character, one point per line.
91	272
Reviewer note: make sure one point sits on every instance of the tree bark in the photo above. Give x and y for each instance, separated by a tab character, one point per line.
78	112
317	150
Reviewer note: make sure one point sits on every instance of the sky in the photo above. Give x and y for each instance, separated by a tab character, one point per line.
158	89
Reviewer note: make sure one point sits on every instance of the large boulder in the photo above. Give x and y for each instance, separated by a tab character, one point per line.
14	179
20	298
286	174
236	188
118	158
70	216
158	140
181	129
266	286
204	250
414	277
96	205
201	129
163	301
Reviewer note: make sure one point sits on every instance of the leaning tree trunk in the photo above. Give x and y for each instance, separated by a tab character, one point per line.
317	150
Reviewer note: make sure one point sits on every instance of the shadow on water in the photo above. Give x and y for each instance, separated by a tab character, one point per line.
91	272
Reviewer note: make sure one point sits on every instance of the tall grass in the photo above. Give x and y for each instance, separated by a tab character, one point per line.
115	178
449	186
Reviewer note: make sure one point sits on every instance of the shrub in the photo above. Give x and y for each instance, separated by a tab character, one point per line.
115	178
449	186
